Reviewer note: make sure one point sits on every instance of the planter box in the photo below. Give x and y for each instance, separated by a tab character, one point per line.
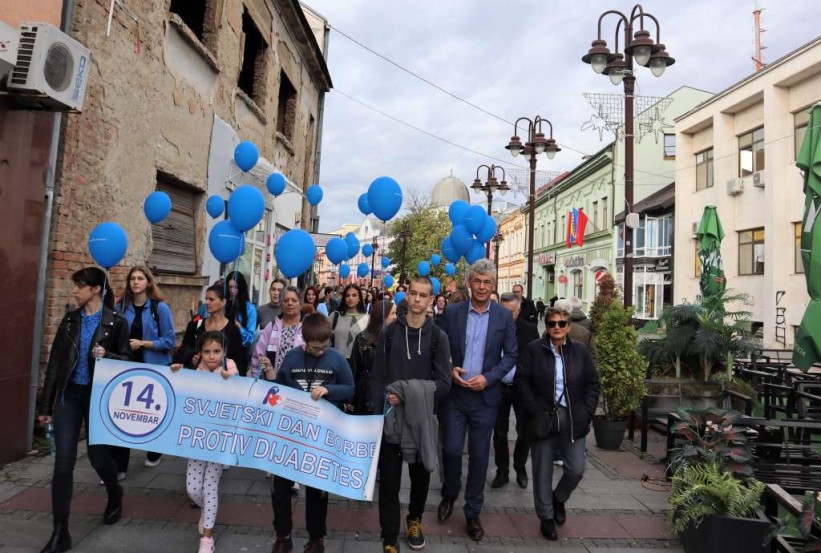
718	534
609	434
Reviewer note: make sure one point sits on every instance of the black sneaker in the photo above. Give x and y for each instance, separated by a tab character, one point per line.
315	546
283	545
416	539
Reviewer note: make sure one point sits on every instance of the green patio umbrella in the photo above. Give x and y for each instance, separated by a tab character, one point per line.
807	349
710	234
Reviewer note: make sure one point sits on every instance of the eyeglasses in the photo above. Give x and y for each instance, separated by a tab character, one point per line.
560	324
318	349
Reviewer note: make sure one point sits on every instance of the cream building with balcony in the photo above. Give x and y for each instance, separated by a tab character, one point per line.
511	250
737	151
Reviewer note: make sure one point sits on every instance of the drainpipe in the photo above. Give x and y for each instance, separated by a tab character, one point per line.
66	18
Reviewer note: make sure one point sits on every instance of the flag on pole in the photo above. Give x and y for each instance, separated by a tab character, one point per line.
576	223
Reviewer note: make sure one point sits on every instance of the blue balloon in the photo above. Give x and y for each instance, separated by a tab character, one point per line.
423	268
246	155
435	259
225	242
450	269
157	206
362	270
385	198
436	285
353	244
322	308
398	298
457	211
387	281
488	230
461	239
215	206
337	250
107	244
367	250
275	183
477	252
475	218
295	252
246	206
314	194
363	204
344	271
386	261
449	251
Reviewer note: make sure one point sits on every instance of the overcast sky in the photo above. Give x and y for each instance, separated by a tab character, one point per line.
513	59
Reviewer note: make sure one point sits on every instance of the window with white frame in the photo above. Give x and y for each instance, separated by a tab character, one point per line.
578	283
704	169
751	152
801	120
620	240
653	237
648	293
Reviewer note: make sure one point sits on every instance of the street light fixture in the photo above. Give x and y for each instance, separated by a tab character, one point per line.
375	245
497	241
535	145
638	47
491	185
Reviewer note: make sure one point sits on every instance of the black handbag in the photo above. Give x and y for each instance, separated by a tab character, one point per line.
544	425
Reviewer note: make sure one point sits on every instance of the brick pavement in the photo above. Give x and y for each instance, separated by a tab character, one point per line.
610	511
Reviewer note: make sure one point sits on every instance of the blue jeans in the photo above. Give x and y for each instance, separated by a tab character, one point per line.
542	452
467	412
70	412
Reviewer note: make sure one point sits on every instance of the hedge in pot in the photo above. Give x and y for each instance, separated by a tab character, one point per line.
622	370
714	512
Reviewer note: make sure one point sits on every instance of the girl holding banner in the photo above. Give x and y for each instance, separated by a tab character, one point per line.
202	477
91	331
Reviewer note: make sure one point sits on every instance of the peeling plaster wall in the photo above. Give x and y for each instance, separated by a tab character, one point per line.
154	110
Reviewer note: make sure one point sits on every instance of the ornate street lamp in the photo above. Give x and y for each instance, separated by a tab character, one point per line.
497	241
536	144
404	237
375	245
618	66
491	185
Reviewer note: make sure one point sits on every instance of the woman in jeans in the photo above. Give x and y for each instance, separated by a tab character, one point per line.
91	331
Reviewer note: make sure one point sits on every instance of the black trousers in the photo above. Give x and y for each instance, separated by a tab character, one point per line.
70	413
500	430
316	509
390	477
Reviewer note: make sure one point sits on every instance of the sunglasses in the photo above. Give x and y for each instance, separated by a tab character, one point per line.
560	324
318	349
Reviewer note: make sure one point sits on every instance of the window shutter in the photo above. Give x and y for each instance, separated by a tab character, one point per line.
174	239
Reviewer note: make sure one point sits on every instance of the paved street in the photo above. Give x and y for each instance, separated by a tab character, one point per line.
611	511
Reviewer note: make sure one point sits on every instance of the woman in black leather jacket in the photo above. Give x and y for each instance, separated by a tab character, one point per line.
383	313
91	331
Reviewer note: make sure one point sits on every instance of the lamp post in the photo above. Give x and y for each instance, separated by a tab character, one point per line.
375	245
490	186
536	144
497	241
638	47
404	237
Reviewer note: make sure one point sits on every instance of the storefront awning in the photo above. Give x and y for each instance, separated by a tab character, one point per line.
659	201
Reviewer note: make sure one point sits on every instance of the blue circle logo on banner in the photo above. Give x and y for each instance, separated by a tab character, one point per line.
137	405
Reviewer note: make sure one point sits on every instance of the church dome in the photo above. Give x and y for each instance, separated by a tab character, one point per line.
447	190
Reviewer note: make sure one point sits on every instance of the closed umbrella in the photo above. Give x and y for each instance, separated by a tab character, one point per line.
709	235
807	349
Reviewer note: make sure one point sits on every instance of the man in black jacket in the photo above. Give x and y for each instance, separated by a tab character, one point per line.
412	348
525	333
528	308
557	375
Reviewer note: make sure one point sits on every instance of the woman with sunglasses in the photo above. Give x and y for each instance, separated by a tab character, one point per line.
556	376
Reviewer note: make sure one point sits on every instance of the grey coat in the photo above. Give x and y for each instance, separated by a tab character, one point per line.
412	424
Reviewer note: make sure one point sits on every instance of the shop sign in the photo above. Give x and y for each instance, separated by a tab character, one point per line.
547	258
572	262
663	265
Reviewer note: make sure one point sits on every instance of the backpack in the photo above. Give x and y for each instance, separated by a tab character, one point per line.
154	314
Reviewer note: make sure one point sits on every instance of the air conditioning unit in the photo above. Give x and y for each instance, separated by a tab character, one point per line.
758	179
735	187
9	38
52	68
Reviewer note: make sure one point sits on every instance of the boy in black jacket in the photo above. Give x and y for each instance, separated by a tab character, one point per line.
323	371
411	349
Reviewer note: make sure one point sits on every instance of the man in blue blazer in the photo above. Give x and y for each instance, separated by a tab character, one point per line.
482	340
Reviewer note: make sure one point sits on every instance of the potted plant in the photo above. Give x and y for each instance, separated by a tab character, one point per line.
715	512
800	534
621	369
710	436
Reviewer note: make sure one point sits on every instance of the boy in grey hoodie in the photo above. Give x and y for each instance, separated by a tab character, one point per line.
411	349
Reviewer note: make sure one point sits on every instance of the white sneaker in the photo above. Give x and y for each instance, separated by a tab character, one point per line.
206	545
558	463
121	476
150	463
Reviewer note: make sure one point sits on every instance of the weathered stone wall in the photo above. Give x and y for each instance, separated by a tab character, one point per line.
153	109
